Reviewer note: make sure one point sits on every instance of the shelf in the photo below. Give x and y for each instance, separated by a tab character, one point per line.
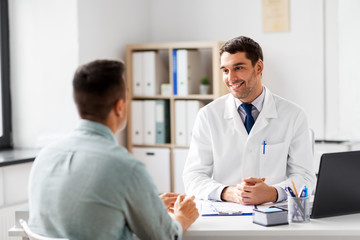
195	97
167	145
188	97
208	65
151	97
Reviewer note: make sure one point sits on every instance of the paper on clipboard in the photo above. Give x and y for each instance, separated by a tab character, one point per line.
214	208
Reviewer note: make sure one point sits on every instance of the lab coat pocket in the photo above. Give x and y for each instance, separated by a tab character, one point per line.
273	161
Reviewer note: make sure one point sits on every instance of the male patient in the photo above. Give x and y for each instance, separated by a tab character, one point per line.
87	187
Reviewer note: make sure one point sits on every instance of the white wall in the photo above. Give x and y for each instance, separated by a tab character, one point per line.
349	76
294	60
44	55
49	39
106	27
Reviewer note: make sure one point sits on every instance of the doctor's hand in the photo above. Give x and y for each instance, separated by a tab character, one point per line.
251	191
169	200
256	191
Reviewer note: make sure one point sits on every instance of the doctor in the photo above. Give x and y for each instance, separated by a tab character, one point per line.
249	144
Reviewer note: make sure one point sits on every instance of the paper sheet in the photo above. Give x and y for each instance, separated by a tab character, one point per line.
211	208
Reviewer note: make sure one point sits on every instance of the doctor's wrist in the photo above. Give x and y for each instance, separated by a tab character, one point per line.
275	194
223	194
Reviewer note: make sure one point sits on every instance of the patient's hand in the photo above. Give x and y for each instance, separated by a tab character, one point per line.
169	200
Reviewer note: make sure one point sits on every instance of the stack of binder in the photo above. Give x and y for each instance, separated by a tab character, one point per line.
150	122
185	115
149	72
186	72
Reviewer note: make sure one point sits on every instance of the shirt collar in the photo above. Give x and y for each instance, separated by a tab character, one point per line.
96	128
258	103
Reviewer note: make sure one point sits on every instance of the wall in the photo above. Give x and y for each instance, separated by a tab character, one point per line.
49	39
294	60
349	76
106	27
44	55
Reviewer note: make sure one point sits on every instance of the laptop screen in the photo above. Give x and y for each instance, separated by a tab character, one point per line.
338	185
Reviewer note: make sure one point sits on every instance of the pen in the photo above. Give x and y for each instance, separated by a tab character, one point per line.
289	192
296	194
264	147
304	192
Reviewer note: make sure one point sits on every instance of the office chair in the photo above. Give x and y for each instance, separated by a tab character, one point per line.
33	236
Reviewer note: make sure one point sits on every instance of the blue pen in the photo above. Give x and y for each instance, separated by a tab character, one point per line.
264	147
304	192
290	192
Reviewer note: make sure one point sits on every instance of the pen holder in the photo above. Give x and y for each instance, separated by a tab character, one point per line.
298	209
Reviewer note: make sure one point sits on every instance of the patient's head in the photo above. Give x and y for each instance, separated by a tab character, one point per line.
97	86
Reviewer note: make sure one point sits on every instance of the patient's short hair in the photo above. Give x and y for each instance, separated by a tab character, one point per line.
97	87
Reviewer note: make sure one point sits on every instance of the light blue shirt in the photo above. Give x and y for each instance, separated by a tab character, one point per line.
87	187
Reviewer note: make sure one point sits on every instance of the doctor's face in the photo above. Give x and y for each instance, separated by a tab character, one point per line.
240	76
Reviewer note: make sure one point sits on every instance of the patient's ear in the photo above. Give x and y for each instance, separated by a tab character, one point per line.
120	108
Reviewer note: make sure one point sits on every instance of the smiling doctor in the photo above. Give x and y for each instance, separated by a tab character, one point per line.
248	145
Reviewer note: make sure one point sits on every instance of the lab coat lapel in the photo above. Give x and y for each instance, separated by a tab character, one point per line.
231	113
268	111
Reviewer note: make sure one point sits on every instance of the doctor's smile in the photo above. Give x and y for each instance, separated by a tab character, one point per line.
236	86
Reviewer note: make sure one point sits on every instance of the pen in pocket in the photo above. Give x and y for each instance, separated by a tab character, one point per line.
264	147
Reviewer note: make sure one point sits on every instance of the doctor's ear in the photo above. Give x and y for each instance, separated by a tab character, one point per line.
259	66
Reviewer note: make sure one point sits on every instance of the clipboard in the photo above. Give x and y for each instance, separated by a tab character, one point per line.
216	208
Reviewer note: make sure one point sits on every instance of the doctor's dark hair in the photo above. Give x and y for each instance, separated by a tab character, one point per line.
244	44
97	86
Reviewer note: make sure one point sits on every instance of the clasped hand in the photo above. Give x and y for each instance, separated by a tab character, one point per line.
251	191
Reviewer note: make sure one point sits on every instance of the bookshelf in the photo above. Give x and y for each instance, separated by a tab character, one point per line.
209	65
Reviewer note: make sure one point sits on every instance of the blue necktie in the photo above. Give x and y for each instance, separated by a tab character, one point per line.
249	120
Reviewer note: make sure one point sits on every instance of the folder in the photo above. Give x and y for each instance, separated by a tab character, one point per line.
155	73
137	126
192	108
188	72
149	122
162	112
157	161
174	70
180	123
180	156
137	73
149	67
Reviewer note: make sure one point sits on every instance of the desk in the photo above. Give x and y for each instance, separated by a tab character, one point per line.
241	227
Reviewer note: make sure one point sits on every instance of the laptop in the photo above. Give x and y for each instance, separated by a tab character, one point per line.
338	185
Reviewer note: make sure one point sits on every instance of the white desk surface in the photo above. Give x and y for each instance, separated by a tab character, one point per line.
241	227
345	227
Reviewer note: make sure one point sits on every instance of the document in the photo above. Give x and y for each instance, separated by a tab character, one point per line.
215	208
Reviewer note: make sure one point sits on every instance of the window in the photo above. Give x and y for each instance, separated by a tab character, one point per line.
5	104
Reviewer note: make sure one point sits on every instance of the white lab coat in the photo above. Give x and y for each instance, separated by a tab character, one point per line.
222	153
